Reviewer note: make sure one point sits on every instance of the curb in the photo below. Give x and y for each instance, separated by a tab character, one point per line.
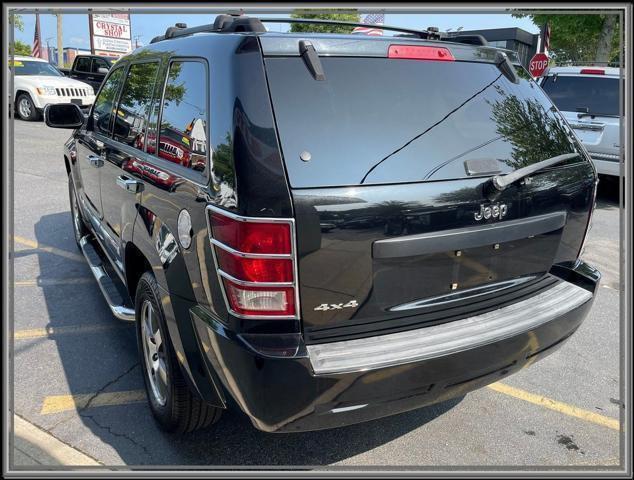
33	447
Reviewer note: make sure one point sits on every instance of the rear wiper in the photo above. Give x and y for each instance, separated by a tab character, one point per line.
497	184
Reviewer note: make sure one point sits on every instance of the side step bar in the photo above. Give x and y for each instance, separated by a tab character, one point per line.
116	301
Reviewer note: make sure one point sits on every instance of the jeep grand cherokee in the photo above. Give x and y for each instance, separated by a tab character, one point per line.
372	224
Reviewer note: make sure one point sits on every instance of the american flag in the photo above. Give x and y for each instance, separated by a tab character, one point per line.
36	51
372	19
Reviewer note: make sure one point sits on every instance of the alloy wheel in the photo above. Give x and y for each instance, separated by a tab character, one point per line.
24	107
154	353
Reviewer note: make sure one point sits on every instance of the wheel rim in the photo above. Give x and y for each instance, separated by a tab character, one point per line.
154	353
24	107
76	218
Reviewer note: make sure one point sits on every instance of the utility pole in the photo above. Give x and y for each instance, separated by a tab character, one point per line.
48	49
60	43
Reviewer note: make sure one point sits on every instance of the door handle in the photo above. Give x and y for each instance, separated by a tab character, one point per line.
129	184
95	160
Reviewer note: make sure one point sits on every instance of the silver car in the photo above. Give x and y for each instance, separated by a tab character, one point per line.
588	97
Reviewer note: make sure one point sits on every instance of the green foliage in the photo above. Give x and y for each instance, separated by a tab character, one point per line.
348	16
17	21
534	132
20	48
575	38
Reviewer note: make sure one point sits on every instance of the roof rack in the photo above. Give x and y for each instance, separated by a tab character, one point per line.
431	31
222	24
242	23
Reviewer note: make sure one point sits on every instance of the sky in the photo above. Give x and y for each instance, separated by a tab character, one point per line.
145	26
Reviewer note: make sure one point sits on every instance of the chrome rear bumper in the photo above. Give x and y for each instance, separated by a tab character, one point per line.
449	338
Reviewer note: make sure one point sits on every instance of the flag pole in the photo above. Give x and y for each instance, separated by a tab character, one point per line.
36	50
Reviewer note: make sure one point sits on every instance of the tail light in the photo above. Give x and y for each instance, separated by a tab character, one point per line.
256	264
592	71
419	52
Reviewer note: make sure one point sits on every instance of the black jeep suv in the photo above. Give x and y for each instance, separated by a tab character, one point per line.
328	228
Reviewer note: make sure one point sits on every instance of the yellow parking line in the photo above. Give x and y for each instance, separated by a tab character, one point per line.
63	403
560	407
50	331
46	248
47	282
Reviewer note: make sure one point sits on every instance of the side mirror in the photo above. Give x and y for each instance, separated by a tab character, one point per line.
121	128
63	115
102	70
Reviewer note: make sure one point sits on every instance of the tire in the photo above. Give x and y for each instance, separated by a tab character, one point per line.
25	108
175	407
79	226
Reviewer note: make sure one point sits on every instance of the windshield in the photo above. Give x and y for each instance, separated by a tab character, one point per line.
25	67
379	120
594	95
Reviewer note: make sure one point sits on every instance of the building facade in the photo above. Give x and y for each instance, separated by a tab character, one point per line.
516	39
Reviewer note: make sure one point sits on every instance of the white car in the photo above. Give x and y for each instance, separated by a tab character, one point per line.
37	83
589	99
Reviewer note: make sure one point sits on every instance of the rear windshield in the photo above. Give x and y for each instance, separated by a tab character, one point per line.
596	95
378	120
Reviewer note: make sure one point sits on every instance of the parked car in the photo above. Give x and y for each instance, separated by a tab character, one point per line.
91	69
236	289
37	84
589	99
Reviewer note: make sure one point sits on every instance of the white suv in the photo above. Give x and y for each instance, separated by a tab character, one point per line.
589	99
37	83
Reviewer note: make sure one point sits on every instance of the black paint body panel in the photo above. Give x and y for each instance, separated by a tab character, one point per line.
337	230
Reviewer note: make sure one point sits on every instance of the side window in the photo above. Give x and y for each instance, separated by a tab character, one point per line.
83	64
98	63
183	128
131	119
105	102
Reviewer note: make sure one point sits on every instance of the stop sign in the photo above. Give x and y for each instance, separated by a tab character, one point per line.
538	64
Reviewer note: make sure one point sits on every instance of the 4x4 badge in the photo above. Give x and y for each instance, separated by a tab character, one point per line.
324	307
497	210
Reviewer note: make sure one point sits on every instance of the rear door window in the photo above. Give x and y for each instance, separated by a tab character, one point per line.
98	63
105	102
131	118
83	64
595	95
182	133
379	120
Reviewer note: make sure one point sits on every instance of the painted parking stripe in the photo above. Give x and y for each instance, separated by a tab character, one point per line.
49	282
560	407
71	329
45	248
64	403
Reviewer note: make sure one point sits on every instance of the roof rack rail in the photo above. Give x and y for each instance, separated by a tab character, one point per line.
242	23
222	24
418	33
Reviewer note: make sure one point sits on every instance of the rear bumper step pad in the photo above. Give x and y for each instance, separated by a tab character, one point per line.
448	338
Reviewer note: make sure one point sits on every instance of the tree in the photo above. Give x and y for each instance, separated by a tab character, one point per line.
17	21
534	132
20	48
581	38
348	16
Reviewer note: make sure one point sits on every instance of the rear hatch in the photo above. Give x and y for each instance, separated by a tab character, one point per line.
590	103
386	160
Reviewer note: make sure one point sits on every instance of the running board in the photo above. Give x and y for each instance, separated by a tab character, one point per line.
114	298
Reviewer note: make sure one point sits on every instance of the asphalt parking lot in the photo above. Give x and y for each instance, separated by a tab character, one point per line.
77	376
